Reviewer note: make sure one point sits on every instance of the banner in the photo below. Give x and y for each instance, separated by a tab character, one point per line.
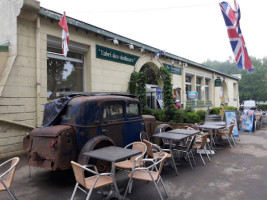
248	120
230	117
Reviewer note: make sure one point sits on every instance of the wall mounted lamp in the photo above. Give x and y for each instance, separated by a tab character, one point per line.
131	46
114	40
142	50
183	64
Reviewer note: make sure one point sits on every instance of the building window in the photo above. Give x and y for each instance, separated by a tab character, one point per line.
198	88
64	74
188	85
235	91
207	90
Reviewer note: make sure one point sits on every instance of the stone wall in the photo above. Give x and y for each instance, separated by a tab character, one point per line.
11	137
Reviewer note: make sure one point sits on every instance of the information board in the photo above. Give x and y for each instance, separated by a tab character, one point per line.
230	117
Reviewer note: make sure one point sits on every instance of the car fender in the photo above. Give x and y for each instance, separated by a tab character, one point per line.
94	143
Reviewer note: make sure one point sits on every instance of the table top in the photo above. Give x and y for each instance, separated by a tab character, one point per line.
211	126
170	136
112	153
184	131
220	123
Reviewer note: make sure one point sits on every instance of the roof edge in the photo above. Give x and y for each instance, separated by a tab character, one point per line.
88	27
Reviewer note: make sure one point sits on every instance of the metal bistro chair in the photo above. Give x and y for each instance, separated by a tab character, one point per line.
92	182
6	178
135	161
228	134
150	173
188	150
143	136
201	146
154	151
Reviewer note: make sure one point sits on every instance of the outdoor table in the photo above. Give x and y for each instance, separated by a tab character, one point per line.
171	136
184	131
112	154
211	127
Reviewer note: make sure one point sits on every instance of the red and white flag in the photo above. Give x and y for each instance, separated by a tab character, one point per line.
65	34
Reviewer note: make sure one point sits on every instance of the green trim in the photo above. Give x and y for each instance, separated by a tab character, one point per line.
4	46
173	69
79	24
115	56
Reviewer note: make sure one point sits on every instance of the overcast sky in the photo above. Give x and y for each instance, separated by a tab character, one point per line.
193	29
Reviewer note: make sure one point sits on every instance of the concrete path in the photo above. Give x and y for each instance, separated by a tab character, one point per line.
233	174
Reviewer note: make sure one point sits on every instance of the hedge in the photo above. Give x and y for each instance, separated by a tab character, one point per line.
262	106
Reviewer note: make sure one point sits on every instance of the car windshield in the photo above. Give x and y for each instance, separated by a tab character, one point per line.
249	103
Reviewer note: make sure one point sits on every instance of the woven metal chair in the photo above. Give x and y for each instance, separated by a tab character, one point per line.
95	181
149	174
228	134
135	161
6	177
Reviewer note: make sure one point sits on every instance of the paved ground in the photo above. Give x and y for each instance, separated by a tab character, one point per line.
233	174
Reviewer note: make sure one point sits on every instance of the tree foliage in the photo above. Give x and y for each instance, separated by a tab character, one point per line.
141	89
167	93
252	85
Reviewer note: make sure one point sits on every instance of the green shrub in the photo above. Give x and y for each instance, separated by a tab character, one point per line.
158	114
230	108
188	109
201	114
147	111
179	116
262	106
192	117
215	111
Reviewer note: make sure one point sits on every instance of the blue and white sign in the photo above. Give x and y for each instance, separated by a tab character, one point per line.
230	117
159	93
192	95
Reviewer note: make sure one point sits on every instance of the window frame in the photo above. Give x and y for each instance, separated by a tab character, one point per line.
139	110
207	87
54	55
188	84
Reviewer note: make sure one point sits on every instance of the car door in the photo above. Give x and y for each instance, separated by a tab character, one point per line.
113	119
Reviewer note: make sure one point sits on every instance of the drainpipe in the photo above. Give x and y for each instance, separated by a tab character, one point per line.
38	73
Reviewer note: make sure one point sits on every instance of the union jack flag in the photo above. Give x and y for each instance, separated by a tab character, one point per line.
232	18
159	53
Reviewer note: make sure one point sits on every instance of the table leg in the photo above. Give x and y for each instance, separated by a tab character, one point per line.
212	143
173	161
113	194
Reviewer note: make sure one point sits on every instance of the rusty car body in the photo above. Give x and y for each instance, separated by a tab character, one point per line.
86	123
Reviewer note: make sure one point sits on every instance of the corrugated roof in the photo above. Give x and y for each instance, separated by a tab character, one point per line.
88	27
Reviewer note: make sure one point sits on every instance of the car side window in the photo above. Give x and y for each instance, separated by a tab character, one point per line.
113	111
133	110
66	115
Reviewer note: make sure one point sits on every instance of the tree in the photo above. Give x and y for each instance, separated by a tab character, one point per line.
252	85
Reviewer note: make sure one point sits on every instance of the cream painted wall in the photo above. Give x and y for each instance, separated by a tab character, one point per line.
17	78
